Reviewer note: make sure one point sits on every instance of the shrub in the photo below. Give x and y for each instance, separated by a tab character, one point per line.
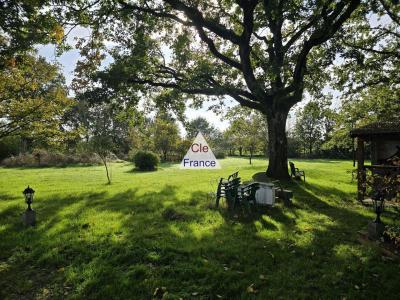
131	155
21	160
9	146
44	158
392	234
220	155
146	160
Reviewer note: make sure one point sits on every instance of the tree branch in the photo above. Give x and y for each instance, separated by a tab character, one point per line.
243	97
196	16
331	25
211	46
368	49
154	12
248	8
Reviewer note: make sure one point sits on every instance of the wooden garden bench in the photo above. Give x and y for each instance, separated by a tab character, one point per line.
281	193
296	173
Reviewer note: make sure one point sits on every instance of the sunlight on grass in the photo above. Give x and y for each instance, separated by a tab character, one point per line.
117	241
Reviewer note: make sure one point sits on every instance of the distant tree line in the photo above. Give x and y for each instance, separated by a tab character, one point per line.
321	131
37	114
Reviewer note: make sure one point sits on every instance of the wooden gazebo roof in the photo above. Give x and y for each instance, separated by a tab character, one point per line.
377	129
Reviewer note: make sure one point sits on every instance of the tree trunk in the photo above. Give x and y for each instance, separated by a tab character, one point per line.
277	144
104	159
251	155
165	155
240	151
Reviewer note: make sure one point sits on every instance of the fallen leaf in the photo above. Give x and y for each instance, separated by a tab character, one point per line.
195	293
262	277
357	287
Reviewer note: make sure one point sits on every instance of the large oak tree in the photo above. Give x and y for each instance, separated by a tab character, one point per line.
263	54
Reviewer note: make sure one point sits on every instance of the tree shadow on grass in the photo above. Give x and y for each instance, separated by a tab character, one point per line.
118	246
136	170
316	160
7	197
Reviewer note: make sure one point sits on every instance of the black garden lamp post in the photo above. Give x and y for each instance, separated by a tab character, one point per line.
379	206
376	227
29	216
28	193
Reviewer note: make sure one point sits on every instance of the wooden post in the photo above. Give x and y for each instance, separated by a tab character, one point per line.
360	169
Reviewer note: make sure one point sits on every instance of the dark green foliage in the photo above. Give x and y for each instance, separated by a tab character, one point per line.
146	160
392	234
9	146
220	154
200	124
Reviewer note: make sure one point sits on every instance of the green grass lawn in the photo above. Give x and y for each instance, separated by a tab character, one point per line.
98	241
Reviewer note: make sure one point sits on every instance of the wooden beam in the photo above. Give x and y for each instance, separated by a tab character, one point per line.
360	170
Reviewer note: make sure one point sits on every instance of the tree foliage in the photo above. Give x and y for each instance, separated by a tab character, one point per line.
374	104
369	50
166	134
309	127
247	130
200	124
33	100
24	24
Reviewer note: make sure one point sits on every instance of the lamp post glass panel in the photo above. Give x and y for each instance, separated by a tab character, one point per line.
28	193
378	200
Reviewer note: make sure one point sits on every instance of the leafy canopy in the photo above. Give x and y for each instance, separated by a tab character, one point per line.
33	99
